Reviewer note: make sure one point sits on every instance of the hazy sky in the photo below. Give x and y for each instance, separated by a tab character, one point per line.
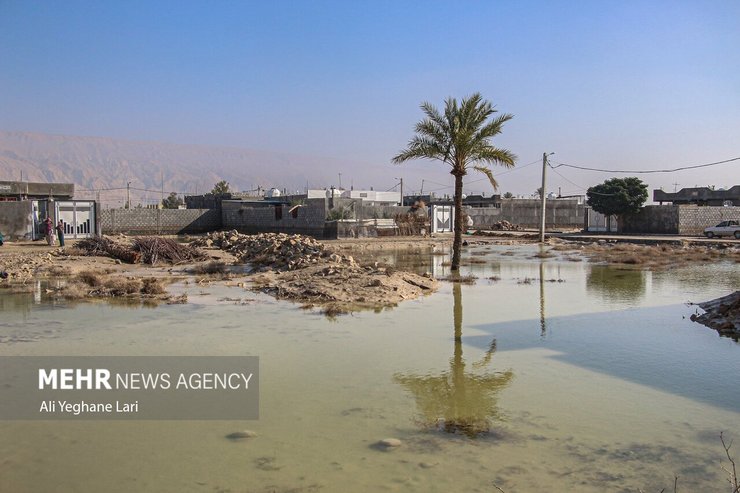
606	84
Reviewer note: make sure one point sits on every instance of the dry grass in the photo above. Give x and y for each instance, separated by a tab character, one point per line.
152	286
651	256
59	271
462	279
90	278
120	286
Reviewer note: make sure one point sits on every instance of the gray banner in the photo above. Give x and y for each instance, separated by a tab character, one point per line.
129	387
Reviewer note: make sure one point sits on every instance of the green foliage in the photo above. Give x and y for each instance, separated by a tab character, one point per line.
508	195
221	188
460	137
618	196
173	201
338	213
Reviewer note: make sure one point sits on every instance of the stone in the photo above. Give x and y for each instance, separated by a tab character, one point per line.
241	435
390	443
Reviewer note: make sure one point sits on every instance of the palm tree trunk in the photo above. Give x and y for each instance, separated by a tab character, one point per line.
457	242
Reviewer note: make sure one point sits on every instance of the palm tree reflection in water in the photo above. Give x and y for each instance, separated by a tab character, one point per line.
457	401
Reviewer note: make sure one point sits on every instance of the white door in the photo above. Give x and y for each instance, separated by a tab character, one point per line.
442	218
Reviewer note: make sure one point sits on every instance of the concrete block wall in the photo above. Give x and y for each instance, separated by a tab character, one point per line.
310	219
652	219
159	221
16	219
561	213
693	219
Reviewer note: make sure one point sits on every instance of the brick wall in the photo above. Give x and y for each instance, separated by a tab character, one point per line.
159	221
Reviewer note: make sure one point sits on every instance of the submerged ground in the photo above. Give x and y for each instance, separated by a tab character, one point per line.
541	372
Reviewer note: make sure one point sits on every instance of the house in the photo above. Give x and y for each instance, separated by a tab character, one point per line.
700	196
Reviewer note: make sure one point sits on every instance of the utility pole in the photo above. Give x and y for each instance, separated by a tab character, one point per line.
161	202
128	195
401	180
543	195
422	188
340	181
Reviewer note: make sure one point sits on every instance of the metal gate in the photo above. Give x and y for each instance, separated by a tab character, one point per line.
597	222
78	217
442	218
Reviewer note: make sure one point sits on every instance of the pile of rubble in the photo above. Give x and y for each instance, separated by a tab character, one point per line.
722	315
24	267
302	269
278	251
505	226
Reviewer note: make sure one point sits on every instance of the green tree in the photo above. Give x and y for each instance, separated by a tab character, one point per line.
173	201
508	195
618	196
221	188
460	137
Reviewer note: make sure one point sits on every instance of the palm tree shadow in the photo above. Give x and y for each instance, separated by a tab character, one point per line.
458	401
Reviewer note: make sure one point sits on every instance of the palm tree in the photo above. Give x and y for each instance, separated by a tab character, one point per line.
461	137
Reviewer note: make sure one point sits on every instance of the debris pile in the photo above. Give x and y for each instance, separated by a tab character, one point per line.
148	250
23	267
300	268
722	315
154	249
278	251
505	226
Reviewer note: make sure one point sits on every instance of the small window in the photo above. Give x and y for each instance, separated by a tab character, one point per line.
363	194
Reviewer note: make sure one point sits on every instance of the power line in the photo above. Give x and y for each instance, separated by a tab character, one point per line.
566	179
682	168
444	187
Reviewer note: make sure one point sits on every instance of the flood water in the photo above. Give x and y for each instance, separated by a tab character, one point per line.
545	375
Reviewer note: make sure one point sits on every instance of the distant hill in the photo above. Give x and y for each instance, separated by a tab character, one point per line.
104	163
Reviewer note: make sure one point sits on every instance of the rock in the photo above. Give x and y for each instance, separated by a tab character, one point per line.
241	435
390	443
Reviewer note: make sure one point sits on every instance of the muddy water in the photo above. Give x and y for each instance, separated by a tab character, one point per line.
545	375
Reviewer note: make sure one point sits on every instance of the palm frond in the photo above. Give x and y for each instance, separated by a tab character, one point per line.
489	174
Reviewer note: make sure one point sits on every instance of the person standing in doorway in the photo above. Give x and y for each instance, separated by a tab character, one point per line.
60	232
49	231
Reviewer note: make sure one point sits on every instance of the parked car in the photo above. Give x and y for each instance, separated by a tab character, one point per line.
725	228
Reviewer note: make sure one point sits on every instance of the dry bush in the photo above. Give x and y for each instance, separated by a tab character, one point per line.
74	291
152	286
119	286
90	278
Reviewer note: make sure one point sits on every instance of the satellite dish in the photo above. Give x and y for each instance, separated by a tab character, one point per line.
464	196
